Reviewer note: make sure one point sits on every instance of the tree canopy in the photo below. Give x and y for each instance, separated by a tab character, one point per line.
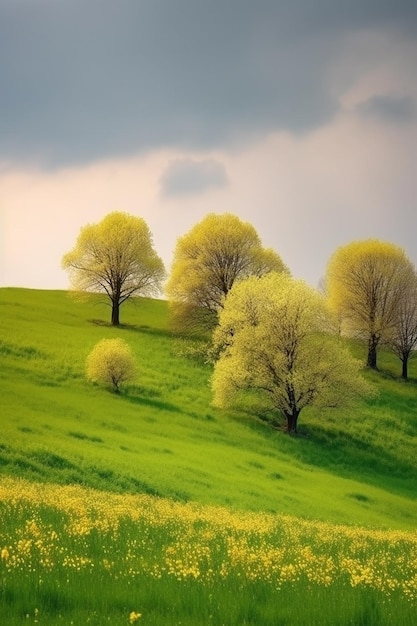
208	260
365	282
115	257
271	339
111	361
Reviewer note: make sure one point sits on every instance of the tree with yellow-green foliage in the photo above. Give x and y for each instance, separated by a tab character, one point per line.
115	257
366	282
272	339
111	361
208	260
403	338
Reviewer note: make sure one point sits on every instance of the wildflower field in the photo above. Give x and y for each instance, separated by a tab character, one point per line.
73	555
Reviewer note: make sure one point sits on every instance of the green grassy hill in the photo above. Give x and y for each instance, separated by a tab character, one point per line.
162	436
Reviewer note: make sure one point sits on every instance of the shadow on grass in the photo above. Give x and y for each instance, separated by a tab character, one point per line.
44	466
356	451
161	405
26	352
349	456
386	374
134	328
344	453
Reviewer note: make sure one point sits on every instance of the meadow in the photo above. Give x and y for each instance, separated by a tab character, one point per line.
75	555
154	507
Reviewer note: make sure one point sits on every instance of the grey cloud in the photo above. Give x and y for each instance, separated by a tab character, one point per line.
85	80
390	108
189	177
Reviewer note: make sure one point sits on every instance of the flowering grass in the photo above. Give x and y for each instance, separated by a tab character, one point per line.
77	555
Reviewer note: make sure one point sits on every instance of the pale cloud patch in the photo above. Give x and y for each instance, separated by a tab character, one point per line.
43	212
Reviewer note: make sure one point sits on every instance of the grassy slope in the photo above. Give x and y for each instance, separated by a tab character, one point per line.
162	436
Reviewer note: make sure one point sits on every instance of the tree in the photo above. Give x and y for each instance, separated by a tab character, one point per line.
403	339
115	257
111	361
271	340
216	253
365	281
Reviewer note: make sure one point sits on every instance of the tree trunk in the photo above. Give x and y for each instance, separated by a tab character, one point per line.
115	313
404	373
292	422
115	385
372	354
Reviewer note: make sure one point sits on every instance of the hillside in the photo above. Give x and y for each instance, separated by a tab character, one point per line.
162	437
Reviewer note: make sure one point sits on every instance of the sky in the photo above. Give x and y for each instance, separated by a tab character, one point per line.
298	116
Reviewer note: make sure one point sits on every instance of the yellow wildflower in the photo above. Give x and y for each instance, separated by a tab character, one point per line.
4	554
133	617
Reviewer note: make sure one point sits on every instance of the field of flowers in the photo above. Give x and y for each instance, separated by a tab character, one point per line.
73	555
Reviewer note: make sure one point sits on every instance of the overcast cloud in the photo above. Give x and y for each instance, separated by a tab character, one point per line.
189	177
86	80
298	116
390	108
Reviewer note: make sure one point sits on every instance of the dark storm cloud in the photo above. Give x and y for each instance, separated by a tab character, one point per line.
189	177
82	80
389	108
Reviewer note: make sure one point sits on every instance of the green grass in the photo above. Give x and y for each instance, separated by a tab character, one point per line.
162	436
66	558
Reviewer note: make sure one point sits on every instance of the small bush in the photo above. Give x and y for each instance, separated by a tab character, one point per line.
111	361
